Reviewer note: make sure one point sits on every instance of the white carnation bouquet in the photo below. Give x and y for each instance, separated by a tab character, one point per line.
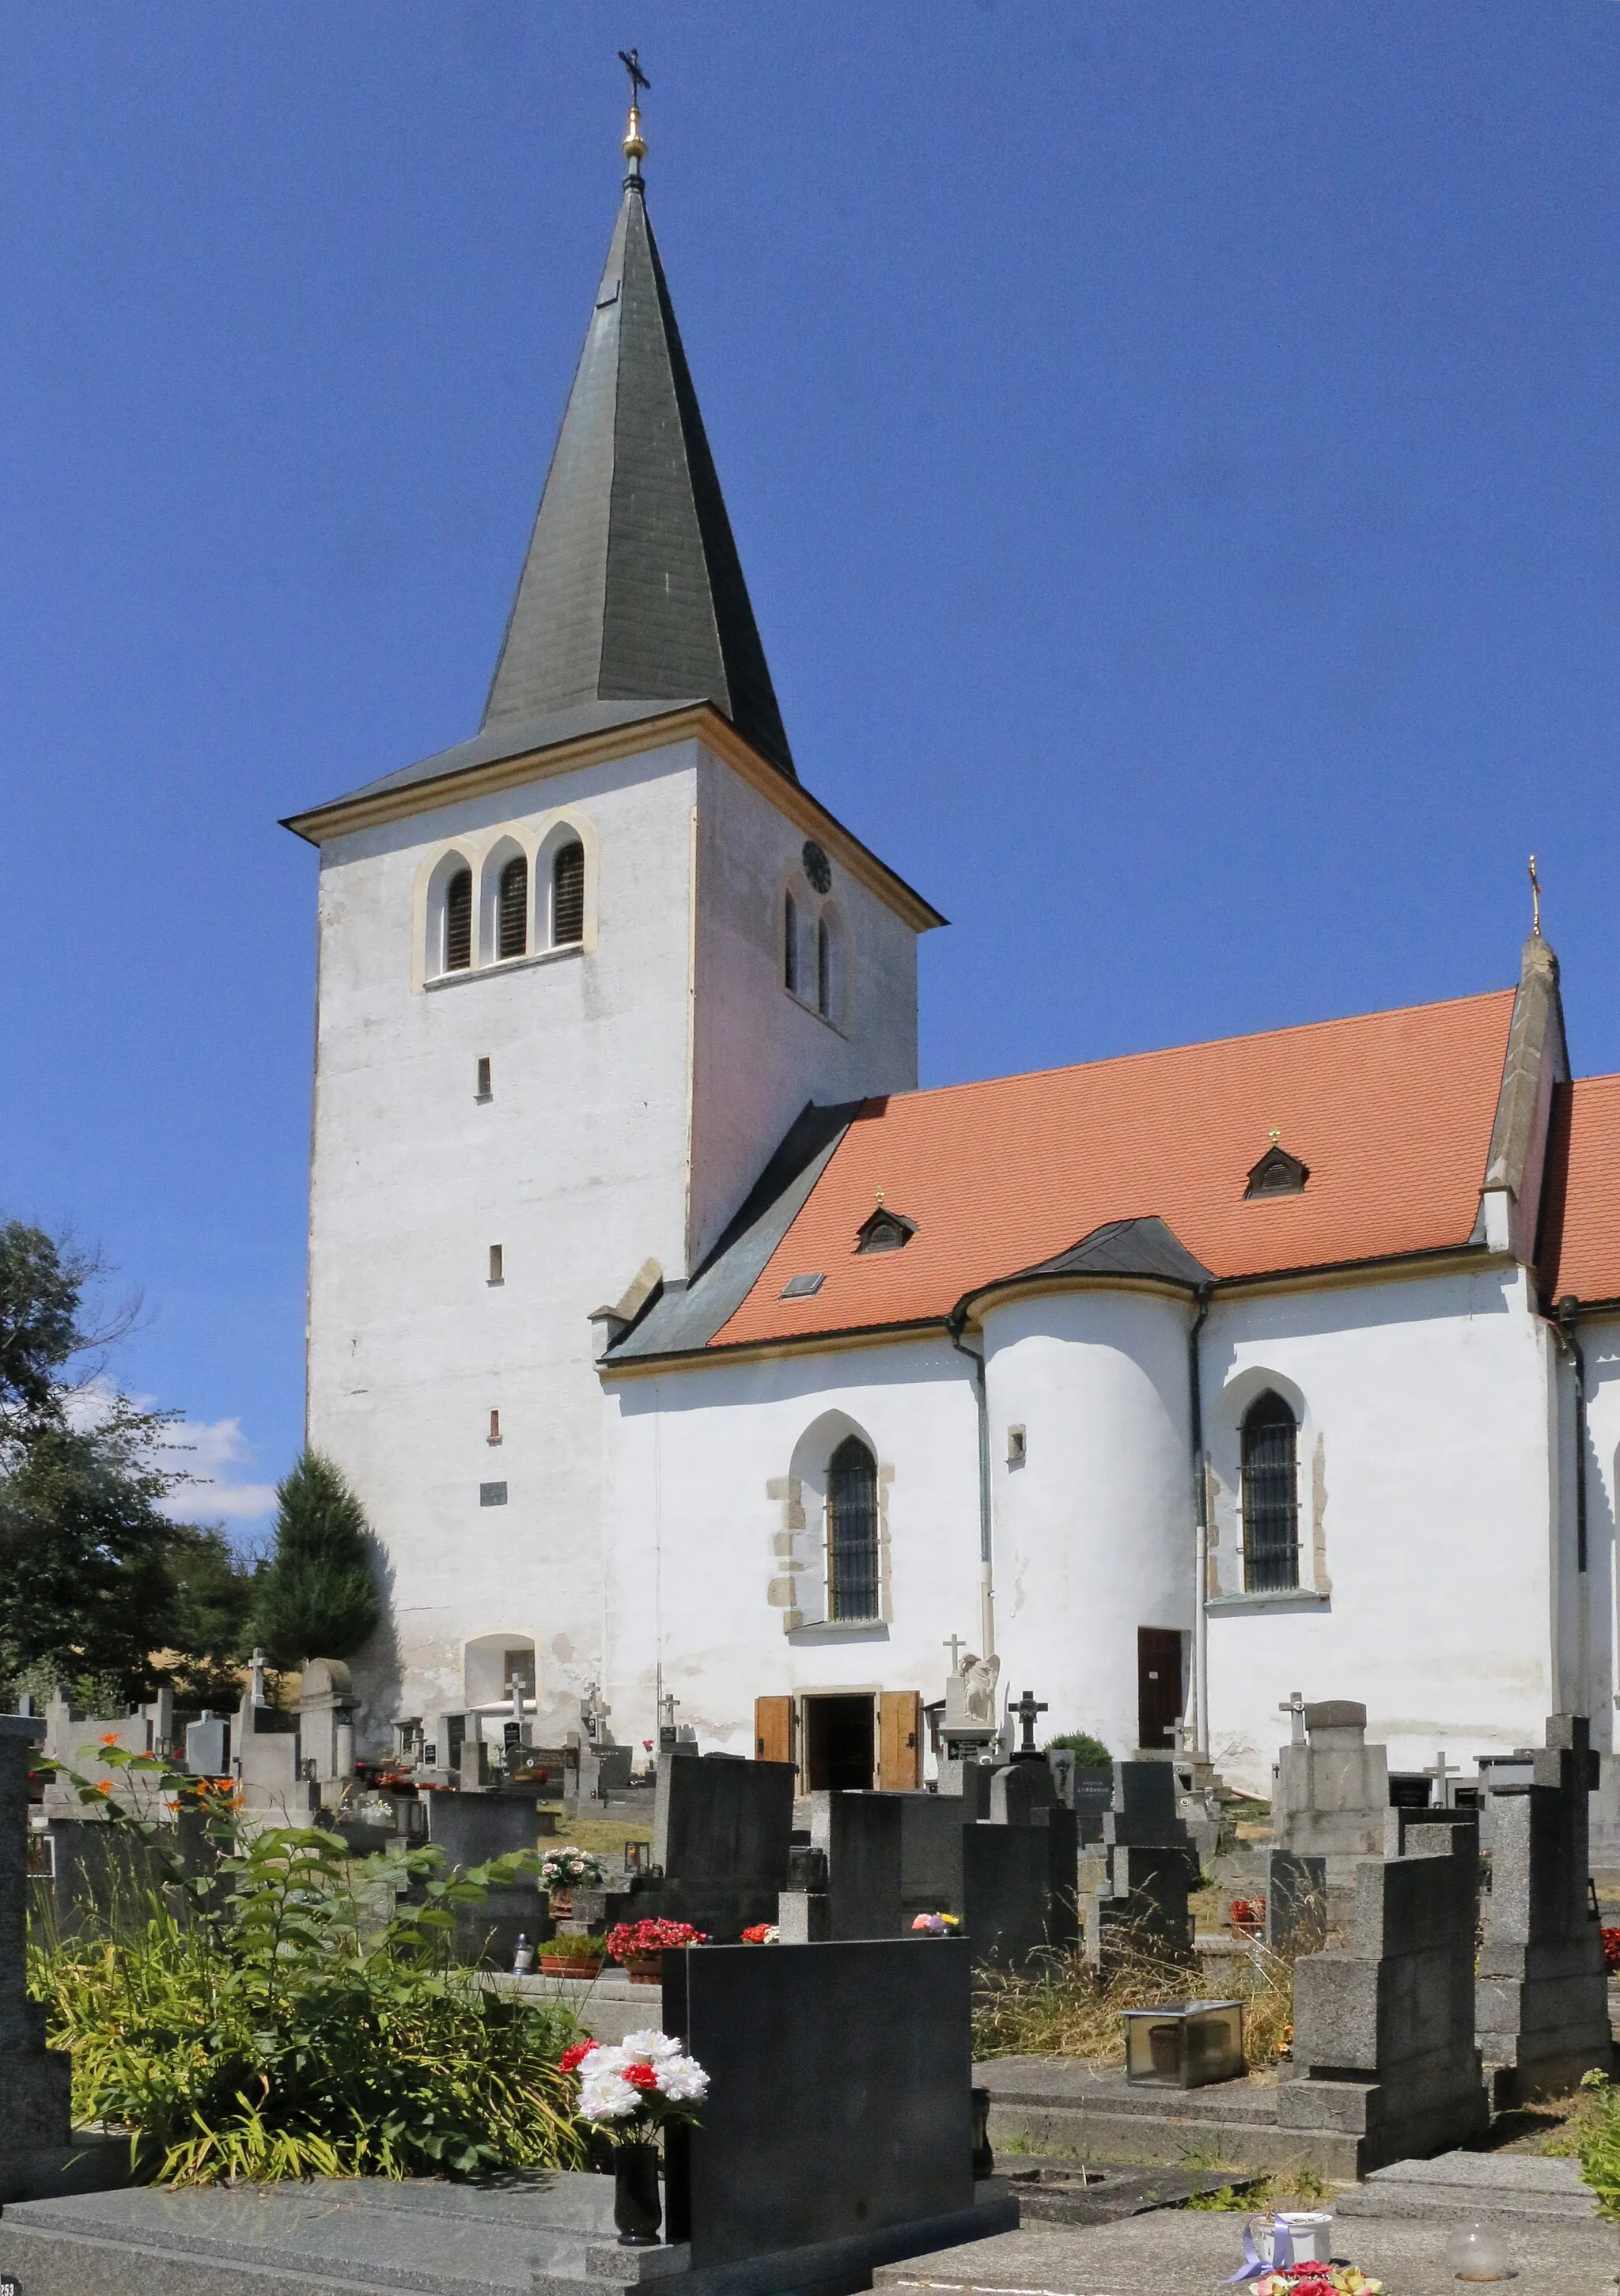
572	1869
632	2090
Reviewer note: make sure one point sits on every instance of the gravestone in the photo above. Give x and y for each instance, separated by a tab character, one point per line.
207	1745
1384	2022
326	1725
893	1856
1541	2000
266	1756
33	2081
1020	1792
471	1830
1329	1787
1151	1868
722	1836
1296	1893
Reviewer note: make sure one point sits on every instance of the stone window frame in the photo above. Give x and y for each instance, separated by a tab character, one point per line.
1224	1585
485	852
797	1583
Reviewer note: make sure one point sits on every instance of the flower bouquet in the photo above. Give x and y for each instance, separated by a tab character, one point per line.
564	1871
1318	2280
762	1933
640	1946
936	1924
630	2093
573	1957
1246	1915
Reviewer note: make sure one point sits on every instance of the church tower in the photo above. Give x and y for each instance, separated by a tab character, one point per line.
576	977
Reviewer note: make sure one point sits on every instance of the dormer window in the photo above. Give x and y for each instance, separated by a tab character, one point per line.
1277	1174
885	1231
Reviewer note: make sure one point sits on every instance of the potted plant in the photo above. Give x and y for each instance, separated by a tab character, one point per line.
640	1947
762	1933
564	1871
1247	1916
573	1957
631	2094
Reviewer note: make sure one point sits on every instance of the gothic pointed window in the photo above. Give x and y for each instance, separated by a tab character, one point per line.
458	922
790	945
511	930
1271	1496
851	1531
567	895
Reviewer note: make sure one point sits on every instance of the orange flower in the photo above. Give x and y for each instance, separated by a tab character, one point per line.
110	1737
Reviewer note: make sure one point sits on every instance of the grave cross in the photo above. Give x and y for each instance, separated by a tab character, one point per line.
1443	1772
257	1695
1294	1706
1026	1709
955	1646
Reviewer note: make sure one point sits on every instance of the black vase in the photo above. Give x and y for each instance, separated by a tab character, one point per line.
984	2159
636	2209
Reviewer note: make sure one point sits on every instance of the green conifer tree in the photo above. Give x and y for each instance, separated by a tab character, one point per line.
317	1597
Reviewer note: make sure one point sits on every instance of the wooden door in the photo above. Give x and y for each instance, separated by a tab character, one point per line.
899	1740
1158	1688
773	1729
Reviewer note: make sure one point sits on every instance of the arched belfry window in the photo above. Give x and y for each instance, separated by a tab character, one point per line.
823	967
790	945
511	923
851	1531
458	922
1270	1495
567	895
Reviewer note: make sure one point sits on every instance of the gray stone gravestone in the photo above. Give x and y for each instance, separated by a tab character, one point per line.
722	1836
1543	1999
1384	2023
1296	1893
207	1745
33	2081
1331	1788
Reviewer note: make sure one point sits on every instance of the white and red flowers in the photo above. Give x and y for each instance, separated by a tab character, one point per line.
636	2087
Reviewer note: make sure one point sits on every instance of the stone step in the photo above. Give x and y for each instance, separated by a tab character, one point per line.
1062	2105
1460	2187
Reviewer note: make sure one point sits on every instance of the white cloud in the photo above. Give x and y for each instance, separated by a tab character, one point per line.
205	1449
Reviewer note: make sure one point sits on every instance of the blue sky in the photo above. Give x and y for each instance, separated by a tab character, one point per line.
1172	449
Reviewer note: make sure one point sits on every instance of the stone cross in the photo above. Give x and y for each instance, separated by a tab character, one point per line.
257	1694
594	1711
1442	1772
956	1647
1026	1711
1294	1707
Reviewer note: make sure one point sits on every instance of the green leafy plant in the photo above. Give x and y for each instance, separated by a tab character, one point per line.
316	1596
284	2014
1090	1754
1596	2135
575	1948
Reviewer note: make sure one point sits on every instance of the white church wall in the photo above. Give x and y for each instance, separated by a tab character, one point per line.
762	1052
699	1543
576	1166
1094	1532
1598	1619
1428	1532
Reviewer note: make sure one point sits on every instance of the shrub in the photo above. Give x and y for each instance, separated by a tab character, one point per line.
284	2016
1596	2132
1090	1754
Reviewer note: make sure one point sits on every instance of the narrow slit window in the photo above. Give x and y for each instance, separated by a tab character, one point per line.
497	1263
511	926
458	922
823	967
851	1531
494	1435
789	946
484	1089
1271	1496
567	896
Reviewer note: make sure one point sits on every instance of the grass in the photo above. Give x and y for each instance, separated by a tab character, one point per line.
1591	2132
607	1836
1059	2006
1294	2188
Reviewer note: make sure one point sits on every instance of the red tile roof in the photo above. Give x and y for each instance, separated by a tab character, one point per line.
1392	1113
1580	1243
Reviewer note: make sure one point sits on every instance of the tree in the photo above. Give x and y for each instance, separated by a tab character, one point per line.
317	1597
215	1589
41	1291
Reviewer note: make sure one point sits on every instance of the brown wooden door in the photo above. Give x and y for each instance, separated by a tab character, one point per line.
1158	1688
899	1740
773	1729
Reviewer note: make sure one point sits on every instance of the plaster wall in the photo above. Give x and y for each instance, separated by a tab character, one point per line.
707	1569
761	1052
1432	1551
1093	1532
1597	1595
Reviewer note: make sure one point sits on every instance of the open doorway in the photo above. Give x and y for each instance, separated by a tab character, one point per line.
1159	1701
840	1743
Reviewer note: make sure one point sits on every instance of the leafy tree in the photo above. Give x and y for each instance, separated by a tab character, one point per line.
317	1597
212	1621
41	1290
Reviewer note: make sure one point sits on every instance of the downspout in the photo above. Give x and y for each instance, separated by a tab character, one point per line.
1200	1503
986	1592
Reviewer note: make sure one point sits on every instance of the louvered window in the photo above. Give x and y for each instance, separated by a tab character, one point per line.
458	922
1271	1496
512	926
567	895
823	967
790	945
851	1531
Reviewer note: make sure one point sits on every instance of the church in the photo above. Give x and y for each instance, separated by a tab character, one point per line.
682	1349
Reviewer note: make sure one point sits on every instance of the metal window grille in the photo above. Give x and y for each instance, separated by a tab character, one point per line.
851	1531
567	896
458	922
823	967
1271	1496
513	923
789	946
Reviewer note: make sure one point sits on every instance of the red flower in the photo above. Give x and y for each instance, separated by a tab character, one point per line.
1611	1951
572	2059
640	2077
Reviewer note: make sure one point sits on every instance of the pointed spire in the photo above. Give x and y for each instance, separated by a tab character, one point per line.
633	590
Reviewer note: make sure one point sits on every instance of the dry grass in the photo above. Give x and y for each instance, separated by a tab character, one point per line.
1059	2006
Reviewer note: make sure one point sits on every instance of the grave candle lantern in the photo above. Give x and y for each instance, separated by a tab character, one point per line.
1187	2045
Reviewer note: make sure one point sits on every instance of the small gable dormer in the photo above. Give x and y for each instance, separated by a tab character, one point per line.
1277	1174
885	1231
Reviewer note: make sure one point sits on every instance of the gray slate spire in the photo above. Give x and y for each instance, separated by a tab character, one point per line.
633	590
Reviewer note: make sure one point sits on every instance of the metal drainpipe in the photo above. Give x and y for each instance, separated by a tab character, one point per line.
1200	1501
986	1574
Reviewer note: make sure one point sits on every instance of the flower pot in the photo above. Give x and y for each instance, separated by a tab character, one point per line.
636	2206
557	1964
645	1968
562	1905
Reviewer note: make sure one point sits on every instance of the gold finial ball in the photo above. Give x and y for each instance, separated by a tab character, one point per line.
635	148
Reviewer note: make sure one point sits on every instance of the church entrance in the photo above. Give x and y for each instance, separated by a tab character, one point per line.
840	1743
1159	1701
